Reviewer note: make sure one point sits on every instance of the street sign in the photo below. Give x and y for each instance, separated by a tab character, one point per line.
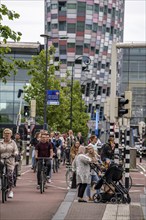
53	97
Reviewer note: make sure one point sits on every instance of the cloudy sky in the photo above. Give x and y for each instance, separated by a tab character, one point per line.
31	21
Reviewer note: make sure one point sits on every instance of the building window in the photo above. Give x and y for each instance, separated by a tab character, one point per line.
48	26
88	89
62	6
54	26
92	49
89	7
71	45
62	26
95	26
62	49
99	90
105	9
96	8
63	61
88	27
79	50
55	45
81	7
71	28
48	9
108	91
54	6
56	59
80	26
71	6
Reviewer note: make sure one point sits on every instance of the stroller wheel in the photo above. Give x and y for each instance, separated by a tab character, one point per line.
113	200
97	197
128	199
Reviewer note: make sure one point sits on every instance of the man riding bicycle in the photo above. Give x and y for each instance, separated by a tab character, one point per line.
43	149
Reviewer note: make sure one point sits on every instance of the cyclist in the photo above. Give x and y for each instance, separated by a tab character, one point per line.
9	148
43	149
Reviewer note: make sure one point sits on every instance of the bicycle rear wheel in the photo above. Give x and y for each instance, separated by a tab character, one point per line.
42	182
69	177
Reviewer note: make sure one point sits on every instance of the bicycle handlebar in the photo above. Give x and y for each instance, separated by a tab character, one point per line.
42	158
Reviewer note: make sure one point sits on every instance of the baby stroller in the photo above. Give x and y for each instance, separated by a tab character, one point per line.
111	188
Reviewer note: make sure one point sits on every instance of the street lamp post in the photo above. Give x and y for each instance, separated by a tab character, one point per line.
86	60
47	37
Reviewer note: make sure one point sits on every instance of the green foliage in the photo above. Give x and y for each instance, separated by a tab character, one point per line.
7	66
58	117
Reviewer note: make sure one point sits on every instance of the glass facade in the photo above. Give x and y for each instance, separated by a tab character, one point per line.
9	102
133	78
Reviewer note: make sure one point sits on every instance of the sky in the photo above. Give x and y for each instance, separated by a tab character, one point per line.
31	21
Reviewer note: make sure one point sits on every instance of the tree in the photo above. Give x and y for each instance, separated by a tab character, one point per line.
58	117
7	66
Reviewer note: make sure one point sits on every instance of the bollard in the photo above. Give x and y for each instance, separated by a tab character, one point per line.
133	153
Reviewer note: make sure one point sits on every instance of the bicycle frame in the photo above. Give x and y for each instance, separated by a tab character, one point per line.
4	181
43	174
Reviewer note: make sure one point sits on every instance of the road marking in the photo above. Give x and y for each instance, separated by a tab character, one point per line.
27	171
58	187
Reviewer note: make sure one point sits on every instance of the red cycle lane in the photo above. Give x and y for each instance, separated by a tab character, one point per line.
28	203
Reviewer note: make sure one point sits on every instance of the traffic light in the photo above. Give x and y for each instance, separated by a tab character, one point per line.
128	96
122	110
26	111
19	93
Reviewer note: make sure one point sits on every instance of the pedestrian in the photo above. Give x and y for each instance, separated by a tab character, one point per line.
9	149
81	164
107	151
69	143
80	138
73	152
33	144
95	141
20	152
94	177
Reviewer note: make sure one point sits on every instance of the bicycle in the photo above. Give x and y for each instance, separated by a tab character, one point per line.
4	178
43	175
69	175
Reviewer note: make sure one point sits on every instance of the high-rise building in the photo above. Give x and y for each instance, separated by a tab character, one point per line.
91	26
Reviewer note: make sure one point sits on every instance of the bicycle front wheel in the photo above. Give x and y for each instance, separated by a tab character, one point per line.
42	182
3	188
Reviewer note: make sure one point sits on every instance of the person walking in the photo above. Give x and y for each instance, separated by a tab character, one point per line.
33	144
19	158
9	149
73	152
94	177
81	165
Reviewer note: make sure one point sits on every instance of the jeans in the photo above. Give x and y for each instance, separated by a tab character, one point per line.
81	189
47	164
94	178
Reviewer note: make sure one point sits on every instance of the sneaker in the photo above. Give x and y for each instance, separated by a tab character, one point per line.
49	180
38	186
11	194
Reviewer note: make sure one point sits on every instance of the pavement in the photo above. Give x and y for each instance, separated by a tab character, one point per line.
70	209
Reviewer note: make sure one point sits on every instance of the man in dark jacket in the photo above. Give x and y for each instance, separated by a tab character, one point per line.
107	151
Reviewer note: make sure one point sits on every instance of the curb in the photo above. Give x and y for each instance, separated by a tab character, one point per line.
65	205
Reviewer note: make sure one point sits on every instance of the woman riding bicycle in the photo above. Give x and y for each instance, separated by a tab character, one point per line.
8	149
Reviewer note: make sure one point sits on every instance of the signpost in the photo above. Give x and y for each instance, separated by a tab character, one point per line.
53	97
